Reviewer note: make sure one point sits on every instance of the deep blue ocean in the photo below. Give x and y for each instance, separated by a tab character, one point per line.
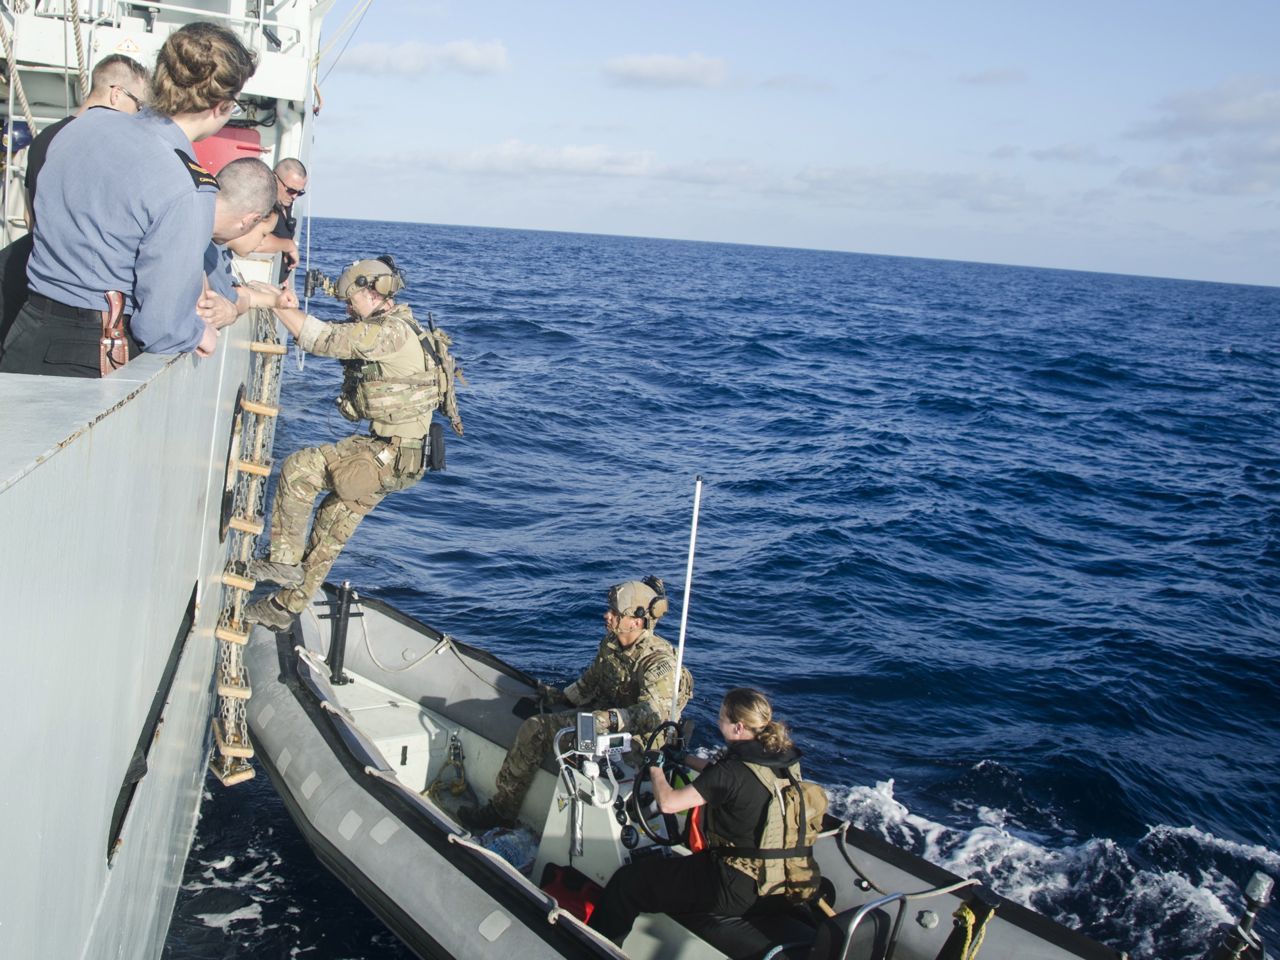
1002	543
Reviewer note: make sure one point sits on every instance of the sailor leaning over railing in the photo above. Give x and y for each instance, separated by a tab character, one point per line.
123	209
291	183
397	376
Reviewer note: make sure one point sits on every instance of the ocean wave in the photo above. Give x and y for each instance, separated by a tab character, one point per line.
1117	895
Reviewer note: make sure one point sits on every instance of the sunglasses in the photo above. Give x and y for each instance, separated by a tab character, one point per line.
139	103
289	190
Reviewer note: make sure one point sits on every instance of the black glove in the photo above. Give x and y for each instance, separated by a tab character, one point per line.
550	696
653	758
674	755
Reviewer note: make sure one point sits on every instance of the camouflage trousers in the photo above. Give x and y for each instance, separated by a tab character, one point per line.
355	474
533	742
525	757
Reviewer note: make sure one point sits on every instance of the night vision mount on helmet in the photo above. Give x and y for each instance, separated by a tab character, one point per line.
381	275
646	599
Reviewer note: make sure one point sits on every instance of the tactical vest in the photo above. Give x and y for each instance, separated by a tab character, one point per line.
783	861
398	393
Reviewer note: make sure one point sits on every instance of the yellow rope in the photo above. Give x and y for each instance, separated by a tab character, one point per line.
438	785
452	762
972	944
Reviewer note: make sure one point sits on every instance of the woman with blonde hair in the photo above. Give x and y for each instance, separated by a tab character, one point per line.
737	805
124	206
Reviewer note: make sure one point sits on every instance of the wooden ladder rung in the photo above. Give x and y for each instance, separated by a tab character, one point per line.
257	469
238	637
245	525
264	346
237	581
232	776
235	690
229	749
261	409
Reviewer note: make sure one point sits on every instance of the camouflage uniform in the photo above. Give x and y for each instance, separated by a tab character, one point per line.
637	682
394	384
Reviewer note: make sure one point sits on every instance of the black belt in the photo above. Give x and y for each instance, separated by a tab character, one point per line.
61	311
398	441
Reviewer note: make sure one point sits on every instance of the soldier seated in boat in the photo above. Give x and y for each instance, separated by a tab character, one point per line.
397	376
629	686
760	821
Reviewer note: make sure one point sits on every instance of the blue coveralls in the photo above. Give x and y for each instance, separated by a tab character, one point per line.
119	208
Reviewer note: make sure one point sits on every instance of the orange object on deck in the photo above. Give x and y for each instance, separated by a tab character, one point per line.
229	143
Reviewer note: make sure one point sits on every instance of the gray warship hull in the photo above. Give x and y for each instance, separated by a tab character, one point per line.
110	503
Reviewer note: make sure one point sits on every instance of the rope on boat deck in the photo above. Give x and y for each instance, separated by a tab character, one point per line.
456	787
972	944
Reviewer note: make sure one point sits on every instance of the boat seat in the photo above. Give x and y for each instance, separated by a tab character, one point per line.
778	930
770	924
870	941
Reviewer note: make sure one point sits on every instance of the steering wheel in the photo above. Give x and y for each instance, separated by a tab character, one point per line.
675	835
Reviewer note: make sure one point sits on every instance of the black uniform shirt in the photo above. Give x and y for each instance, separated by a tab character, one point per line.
738	802
36	153
286	224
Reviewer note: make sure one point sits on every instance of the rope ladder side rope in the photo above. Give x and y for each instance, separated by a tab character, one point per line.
257	418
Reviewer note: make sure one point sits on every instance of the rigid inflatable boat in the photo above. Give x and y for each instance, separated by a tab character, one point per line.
375	727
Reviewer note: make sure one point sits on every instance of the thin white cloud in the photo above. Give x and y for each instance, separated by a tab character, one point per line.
996	77
1244	105
515	158
667	70
1074	153
872	188
796	83
893	188
412	57
1230	137
1249	168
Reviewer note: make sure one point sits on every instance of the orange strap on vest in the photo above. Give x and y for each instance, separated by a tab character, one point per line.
697	839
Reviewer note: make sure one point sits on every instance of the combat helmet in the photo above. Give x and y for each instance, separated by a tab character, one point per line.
645	598
380	275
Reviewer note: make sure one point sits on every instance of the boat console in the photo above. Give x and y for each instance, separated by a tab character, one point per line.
586	826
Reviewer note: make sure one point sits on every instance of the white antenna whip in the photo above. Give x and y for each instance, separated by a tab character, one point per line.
688	584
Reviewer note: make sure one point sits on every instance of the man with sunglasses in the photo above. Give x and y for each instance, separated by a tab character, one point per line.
118	83
291	183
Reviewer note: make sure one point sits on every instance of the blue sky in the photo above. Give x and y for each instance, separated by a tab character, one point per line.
1127	137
